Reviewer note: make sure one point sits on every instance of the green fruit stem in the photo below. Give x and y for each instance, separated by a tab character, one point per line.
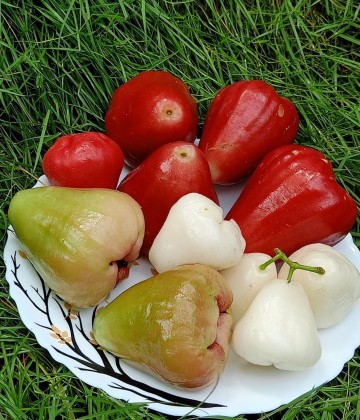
279	255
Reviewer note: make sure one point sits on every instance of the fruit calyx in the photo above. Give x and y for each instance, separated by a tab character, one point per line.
279	255
184	152
123	270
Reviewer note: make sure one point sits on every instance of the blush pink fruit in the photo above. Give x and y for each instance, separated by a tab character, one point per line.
173	325
78	240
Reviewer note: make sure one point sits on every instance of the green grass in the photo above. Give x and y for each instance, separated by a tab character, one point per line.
60	62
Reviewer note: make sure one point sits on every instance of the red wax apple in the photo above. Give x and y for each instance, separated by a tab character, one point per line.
293	199
152	109
172	171
244	122
84	160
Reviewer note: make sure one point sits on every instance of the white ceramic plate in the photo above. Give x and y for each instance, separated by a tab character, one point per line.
242	389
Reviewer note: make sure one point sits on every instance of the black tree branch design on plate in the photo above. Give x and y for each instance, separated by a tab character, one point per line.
120	379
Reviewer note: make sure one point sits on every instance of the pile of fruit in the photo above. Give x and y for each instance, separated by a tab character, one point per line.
218	281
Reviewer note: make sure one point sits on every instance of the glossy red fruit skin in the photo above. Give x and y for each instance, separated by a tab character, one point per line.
152	109
84	160
170	172
293	199
244	122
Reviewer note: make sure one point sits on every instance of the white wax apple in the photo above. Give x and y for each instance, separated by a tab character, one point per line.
246	278
195	232
331	294
278	328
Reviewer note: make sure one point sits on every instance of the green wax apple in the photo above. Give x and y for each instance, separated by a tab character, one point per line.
174	325
75	238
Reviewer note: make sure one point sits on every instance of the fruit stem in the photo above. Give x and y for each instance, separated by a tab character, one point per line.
29	173
279	255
